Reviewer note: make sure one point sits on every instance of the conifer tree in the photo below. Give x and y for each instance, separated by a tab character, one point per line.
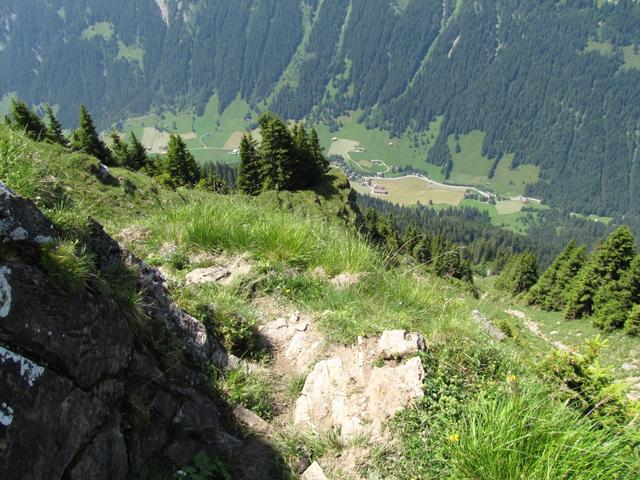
250	169
611	305
541	291
607	264
565	279
275	150
54	129
136	156
320	162
520	274
25	119
85	139
180	164
118	149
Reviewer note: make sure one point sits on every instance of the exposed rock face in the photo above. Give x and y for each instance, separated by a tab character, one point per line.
348	392
222	274
314	472
82	393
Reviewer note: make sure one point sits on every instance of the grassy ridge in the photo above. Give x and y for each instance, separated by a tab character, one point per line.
486	412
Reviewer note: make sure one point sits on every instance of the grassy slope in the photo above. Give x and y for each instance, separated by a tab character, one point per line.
470	420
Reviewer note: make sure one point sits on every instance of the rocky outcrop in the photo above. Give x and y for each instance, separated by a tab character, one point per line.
355	392
90	388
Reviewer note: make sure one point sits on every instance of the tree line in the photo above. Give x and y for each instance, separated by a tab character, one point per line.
603	284
177	168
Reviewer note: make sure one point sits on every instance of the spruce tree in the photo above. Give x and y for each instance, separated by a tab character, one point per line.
607	264
180	164
250	169
520	274
320	162
25	119
565	279
540	293
85	139
118	149
54	129
136	156
276	152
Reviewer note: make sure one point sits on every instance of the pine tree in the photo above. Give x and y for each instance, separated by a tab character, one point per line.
180	164
319	161
136	156
520	274
118	149
85	139
25	119
611	305
607	264
302	164
565	279
276	153
54	129
250	169
540	293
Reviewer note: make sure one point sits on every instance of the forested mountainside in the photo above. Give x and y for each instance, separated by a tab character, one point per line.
557	84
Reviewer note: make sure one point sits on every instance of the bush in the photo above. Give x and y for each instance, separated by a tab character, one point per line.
632	325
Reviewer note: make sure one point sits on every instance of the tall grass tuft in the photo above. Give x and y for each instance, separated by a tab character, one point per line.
526	436
234	224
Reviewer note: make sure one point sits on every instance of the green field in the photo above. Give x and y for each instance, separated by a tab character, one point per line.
134	53
603	48
100	29
470	167
212	129
631	58
408	150
501	215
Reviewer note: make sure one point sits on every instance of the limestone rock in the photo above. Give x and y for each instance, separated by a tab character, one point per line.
314	472
224	274
488	326
251	421
398	343
348	393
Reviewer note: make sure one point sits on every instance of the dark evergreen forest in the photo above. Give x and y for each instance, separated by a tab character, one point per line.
553	82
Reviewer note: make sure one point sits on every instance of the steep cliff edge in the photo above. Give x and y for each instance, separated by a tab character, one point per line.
92	386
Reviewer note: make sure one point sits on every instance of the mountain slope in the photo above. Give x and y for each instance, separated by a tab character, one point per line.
556	84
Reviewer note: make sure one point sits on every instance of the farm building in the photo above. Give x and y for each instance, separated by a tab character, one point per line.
379	190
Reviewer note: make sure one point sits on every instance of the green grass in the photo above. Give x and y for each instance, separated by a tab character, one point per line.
631	58
512	182
409	149
237	224
603	48
470	167
525	436
250	390
134	53
100	29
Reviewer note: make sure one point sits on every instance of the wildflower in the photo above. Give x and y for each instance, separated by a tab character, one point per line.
454	438
512	379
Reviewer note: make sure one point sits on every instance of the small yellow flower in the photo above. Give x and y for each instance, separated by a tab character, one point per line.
288	290
454	438
512	379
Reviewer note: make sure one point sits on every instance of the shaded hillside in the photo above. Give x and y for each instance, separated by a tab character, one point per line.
555	83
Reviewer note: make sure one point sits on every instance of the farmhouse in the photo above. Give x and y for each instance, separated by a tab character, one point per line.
379	190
